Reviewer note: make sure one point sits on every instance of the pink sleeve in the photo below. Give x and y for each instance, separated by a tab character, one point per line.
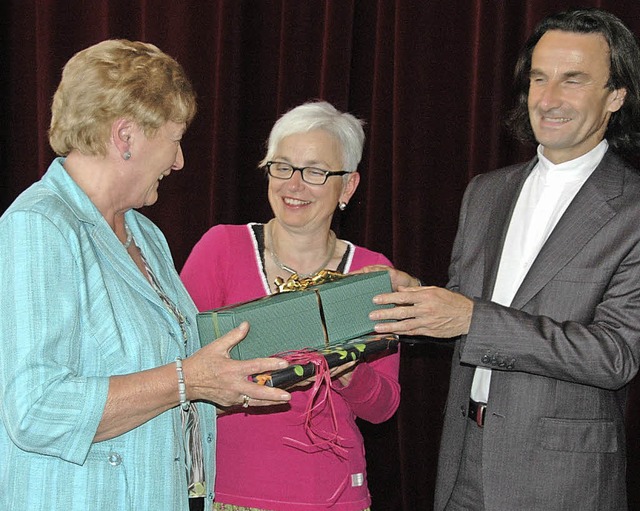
374	391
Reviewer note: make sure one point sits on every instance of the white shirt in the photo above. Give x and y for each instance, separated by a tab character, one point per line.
545	196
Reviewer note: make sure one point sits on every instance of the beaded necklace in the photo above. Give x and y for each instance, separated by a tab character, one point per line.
129	239
194	456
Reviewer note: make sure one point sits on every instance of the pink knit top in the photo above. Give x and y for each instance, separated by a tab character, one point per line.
255	467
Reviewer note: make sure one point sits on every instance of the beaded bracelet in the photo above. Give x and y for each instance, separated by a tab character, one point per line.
182	388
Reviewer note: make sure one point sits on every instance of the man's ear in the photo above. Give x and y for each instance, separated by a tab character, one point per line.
617	99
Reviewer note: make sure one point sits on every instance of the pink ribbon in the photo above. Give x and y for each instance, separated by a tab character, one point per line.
319	399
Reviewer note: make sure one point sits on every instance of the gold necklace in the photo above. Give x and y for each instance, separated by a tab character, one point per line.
282	266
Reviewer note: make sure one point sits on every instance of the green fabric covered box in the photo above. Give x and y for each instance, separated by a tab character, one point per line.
311	318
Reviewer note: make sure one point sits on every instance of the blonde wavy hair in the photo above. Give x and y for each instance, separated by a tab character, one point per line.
117	79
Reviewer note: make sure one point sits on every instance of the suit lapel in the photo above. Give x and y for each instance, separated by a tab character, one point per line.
500	218
584	217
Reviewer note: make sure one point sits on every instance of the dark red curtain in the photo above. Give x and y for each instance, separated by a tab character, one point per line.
431	78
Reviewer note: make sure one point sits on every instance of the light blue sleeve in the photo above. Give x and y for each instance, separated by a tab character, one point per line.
47	402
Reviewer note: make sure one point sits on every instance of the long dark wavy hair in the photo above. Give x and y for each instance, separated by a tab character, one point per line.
623	131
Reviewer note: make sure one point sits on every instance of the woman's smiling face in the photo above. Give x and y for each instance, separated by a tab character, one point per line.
155	158
300	205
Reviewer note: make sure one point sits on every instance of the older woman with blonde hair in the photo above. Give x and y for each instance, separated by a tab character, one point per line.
265	458
99	373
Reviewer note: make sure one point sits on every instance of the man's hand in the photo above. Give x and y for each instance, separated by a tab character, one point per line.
431	311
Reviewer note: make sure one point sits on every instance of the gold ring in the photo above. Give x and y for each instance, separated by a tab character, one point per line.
245	401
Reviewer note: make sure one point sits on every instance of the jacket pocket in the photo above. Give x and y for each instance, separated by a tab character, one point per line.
578	435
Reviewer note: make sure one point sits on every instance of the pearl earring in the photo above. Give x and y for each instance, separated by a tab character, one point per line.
342	206
126	155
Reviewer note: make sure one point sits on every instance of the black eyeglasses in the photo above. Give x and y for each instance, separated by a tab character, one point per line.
311	175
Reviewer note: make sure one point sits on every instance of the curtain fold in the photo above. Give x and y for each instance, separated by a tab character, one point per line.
432	80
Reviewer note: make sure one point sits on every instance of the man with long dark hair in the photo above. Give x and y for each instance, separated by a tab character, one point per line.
544	289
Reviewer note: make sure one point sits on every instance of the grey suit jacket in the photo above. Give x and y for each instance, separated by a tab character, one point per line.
561	355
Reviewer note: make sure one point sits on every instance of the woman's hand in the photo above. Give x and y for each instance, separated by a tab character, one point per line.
211	375
342	372
398	278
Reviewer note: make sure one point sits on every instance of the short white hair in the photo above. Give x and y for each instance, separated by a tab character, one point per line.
320	115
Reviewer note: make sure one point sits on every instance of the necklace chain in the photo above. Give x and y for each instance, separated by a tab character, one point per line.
284	267
171	307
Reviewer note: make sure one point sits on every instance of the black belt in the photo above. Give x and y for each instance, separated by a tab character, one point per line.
477	412
196	504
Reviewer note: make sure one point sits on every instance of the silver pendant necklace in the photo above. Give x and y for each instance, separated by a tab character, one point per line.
282	266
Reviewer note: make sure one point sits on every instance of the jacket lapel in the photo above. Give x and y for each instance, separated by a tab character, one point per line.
108	246
586	215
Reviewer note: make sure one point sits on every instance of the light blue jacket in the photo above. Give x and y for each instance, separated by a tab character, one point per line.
74	310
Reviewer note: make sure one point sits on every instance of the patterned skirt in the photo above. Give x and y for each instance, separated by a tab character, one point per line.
219	506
